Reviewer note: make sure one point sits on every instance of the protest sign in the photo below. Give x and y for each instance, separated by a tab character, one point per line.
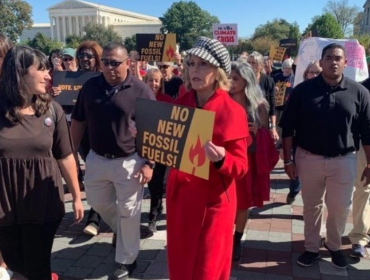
174	135
156	47
288	43
227	34
277	53
282	92
70	83
311	49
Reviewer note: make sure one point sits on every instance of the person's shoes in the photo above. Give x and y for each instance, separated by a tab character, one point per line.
5	274
358	251
124	271
131	267
152	226
237	251
289	199
114	240
91	229
307	258
54	276
337	257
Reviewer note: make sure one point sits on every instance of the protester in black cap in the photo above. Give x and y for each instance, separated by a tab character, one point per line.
201	213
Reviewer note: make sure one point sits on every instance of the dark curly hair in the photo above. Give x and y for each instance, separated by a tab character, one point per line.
97	51
14	93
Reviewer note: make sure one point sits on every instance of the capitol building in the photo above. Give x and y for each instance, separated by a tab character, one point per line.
70	16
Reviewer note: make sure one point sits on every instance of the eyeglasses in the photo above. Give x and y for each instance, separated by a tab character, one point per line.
163	66
65	59
314	73
112	63
83	55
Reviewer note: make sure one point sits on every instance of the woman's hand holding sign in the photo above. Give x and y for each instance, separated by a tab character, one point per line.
214	153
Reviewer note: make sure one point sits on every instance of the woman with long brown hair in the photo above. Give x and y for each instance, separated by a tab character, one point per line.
35	150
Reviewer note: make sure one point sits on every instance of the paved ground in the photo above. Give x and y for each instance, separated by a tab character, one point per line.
273	240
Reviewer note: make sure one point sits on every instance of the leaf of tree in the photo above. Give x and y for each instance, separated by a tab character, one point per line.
188	21
15	17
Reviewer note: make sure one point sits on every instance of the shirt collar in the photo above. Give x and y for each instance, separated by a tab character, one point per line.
343	84
125	84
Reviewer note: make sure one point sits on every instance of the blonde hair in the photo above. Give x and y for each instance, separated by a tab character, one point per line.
222	80
150	73
314	62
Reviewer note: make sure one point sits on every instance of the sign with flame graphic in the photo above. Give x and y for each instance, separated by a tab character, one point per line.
174	135
156	47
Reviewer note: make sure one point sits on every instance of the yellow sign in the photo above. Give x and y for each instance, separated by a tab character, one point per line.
277	53
174	135
156	47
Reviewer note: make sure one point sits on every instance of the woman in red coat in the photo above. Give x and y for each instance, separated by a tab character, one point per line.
201	213
254	188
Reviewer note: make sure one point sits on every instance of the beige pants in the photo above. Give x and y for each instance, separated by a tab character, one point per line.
361	205
116	195
334	179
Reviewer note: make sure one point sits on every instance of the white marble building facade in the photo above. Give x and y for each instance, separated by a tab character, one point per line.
70	16
365	24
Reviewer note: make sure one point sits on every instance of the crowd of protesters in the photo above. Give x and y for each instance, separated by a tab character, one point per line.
321	130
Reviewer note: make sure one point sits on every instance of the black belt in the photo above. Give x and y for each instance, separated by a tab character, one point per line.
110	156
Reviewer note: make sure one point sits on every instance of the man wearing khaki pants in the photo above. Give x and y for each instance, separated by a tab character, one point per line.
360	211
327	115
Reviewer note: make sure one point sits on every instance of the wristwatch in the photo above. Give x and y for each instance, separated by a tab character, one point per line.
150	164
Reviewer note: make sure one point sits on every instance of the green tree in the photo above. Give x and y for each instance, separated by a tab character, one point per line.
244	45
43	43
327	26
101	34
15	16
130	43
188	21
277	29
263	44
72	41
343	13
364	40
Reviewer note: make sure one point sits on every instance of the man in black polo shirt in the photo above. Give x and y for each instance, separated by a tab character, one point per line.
327	115
115	174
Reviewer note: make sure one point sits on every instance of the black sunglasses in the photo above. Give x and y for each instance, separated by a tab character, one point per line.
83	55
163	66
65	59
112	63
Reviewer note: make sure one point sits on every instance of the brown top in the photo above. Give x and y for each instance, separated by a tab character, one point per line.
31	189
107	111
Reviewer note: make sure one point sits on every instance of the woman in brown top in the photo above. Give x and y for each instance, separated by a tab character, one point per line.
5	45
35	148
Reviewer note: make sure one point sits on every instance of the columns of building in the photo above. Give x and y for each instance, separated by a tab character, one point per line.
57	27
70	31
52	27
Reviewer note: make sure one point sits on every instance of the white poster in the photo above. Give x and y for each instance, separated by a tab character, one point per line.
227	34
311	48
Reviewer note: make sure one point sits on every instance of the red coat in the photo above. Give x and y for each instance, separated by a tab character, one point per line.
254	188
201	213
163	98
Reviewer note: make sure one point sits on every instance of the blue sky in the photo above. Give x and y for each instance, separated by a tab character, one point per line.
248	14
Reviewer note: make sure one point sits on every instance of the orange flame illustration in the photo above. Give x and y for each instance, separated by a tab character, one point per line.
197	155
170	53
